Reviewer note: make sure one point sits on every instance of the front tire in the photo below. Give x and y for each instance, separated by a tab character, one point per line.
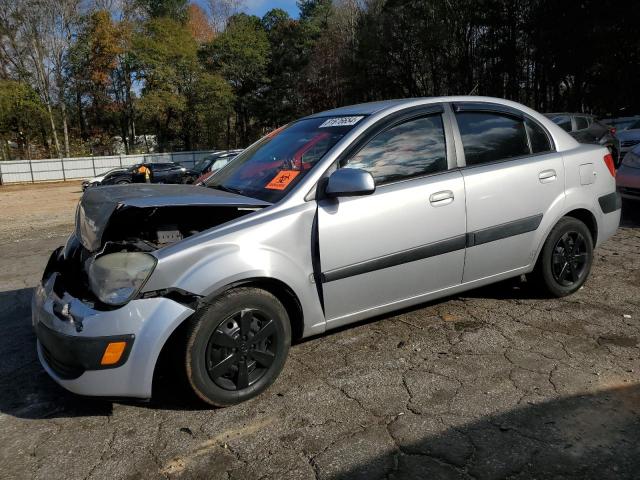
566	257
237	346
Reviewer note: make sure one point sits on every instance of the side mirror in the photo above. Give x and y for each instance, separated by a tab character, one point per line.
350	182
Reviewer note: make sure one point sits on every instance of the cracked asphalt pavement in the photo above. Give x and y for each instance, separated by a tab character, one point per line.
495	383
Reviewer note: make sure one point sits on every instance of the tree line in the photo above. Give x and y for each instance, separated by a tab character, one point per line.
79	78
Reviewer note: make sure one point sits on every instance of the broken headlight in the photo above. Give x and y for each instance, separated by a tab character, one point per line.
116	278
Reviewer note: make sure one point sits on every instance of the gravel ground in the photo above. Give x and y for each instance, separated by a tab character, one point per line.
496	383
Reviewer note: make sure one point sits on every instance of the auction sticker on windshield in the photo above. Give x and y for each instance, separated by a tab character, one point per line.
282	179
341	122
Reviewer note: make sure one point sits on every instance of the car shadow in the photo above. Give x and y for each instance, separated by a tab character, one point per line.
587	436
26	391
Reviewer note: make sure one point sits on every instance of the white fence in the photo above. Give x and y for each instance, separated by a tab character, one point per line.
53	169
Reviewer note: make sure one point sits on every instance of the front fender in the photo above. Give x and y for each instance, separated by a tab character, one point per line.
279	249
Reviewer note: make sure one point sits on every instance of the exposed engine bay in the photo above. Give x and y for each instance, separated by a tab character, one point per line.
148	229
141	218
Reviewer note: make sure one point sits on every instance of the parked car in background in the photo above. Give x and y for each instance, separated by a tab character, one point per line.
340	216
214	161
628	175
97	180
620	123
160	173
629	137
586	129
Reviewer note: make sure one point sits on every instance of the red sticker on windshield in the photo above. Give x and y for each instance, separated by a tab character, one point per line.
282	179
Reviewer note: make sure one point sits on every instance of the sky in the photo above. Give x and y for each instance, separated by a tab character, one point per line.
260	7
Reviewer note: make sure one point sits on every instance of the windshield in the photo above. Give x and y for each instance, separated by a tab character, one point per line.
204	162
275	164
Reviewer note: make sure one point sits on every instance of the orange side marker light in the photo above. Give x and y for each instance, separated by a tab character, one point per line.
112	353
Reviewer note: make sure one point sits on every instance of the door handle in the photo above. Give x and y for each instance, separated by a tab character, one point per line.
439	199
547	176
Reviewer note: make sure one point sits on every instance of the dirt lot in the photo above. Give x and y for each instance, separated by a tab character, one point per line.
493	384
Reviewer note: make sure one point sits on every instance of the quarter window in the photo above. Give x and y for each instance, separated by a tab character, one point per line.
538	137
411	149
488	137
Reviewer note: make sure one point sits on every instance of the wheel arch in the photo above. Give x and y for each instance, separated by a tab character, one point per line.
277	288
585	215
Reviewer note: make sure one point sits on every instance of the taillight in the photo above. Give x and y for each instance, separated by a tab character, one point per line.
613	131
608	160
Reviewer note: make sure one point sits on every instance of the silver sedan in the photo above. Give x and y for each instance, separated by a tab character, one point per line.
336	217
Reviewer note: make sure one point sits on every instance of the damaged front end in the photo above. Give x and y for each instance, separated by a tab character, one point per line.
109	257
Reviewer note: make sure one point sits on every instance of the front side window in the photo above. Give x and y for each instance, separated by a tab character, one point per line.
270	168
488	137
411	149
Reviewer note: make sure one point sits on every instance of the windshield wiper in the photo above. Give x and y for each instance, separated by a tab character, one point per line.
224	188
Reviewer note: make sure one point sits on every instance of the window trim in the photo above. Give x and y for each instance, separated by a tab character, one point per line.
388	127
479	107
390	121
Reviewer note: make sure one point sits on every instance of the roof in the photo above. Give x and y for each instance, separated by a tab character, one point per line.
550	114
562	139
362	108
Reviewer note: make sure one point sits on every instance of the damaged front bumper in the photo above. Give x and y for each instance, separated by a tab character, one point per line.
73	337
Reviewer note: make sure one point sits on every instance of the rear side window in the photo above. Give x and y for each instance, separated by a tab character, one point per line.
538	137
411	149
581	123
488	137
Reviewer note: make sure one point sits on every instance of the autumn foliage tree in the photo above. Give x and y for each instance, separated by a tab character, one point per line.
125	76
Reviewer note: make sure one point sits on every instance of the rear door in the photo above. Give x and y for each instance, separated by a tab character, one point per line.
407	238
512	177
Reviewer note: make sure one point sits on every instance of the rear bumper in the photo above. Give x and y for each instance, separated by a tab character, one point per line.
610	203
71	345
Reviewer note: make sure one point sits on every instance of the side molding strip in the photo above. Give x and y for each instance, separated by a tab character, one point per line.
505	230
398	258
478	237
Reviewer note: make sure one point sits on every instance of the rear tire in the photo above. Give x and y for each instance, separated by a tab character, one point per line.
566	257
237	346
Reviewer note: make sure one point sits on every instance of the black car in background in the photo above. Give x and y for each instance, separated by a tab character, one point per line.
160	173
587	129
214	161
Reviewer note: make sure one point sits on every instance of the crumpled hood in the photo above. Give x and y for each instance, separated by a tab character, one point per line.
98	205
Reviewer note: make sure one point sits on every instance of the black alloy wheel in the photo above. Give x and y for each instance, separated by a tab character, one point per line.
569	259
242	349
236	345
565	260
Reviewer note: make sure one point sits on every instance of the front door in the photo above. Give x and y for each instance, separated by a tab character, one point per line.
403	241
